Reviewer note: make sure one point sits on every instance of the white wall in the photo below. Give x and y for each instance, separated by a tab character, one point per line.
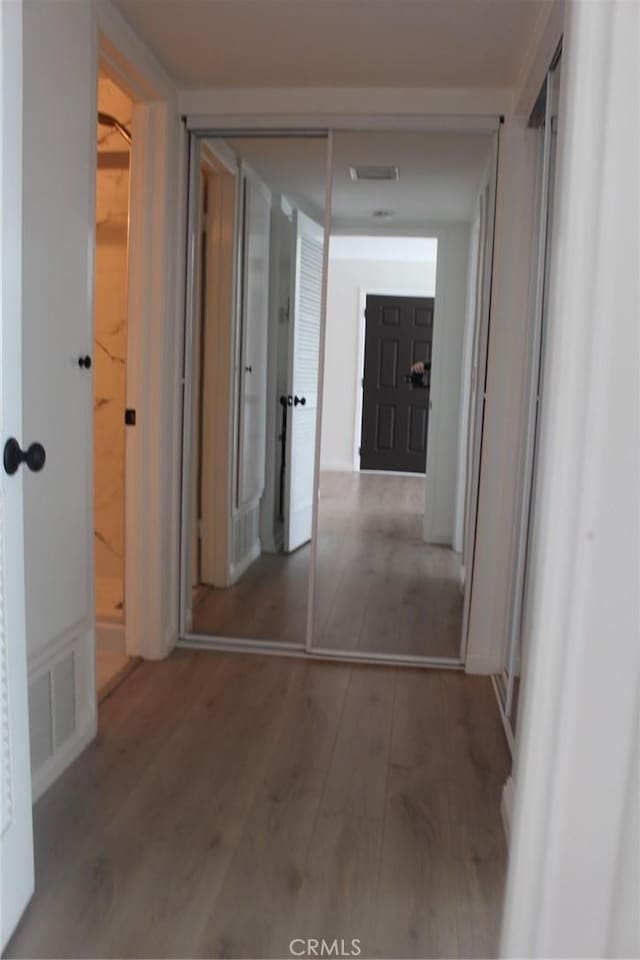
464	423
574	885
347	278
446	384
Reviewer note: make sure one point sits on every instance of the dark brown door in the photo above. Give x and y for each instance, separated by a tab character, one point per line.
398	333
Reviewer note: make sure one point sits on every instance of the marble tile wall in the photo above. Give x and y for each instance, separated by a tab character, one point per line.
110	318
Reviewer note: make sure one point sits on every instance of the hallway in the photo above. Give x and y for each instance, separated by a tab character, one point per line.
379	587
231	803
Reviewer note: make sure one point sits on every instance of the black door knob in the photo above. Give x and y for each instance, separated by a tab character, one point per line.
85	362
299	400
14	455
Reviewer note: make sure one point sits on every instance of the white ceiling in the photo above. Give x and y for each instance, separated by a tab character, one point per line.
333	43
384	249
439	176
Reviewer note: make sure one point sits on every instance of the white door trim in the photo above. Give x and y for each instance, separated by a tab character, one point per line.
153	376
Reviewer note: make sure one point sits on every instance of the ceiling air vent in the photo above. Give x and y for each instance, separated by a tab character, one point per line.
373	173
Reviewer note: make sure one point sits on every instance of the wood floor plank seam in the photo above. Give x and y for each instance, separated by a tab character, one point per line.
250	805
386	789
331	758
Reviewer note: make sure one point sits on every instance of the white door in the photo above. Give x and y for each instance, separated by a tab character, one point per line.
16	841
304	360
59	174
254	329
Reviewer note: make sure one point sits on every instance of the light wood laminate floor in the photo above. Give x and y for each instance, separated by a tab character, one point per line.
268	603
379	587
233	802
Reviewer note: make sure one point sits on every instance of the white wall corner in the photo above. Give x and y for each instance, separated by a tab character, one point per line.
339	466
482	666
129	58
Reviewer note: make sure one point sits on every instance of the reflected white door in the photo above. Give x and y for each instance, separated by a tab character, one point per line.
304	359
16	840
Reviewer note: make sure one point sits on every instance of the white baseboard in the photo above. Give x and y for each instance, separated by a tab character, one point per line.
506	807
64	757
437	539
481	666
237	569
337	466
110	636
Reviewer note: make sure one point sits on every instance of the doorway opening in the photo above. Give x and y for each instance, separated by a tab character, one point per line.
115	110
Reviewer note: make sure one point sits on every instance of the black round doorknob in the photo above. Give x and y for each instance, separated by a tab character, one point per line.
14	455
299	400
85	362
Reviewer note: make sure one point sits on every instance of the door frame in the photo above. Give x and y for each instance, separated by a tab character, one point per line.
151	376
365	292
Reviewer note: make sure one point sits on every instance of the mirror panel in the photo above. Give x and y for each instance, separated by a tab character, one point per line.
253	378
401	300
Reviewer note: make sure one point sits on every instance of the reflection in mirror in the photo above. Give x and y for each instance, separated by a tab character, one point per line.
254	384
403	308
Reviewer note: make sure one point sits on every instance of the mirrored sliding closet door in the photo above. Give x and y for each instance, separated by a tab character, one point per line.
252	359
401	324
